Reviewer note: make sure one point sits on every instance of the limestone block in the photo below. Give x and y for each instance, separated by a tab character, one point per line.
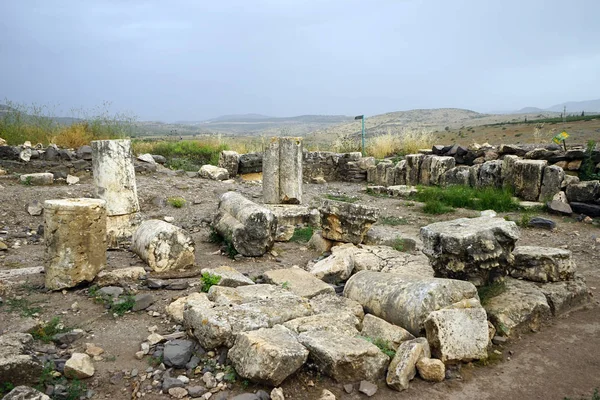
230	160
400	299
228	276
563	296
338	267
120	229
346	222
298	281
119	276
386	259
75	239
551	182
520	308
542	264
425	170
377	328
175	308
282	171
490	174
79	366
403	368
163	246
584	192
37	179
339	321
25	393
470	248
267	356
413	164
250	228
390	236
213	172
326	303
319	243
400	173
507	172
246	294
18	363
344	358
474	174
458	334
528	178
431	369
438	168
114	176
456	176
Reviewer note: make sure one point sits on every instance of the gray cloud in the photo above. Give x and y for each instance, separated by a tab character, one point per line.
191	60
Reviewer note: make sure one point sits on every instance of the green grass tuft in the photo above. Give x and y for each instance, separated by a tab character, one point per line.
436	207
341	197
383	345
302	235
437	199
209	280
47	331
176	202
392	221
490	291
24	307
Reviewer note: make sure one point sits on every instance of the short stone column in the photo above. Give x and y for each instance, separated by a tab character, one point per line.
114	180
75	238
282	171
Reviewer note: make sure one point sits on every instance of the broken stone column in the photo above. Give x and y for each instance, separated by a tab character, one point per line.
474	249
75	238
346	222
250	228
230	160
163	246
282	171
551	182
114	180
407	300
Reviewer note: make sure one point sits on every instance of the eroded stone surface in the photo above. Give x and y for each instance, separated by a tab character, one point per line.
346	222
228	276
298	281
542	264
563	296
18	364
403	369
377	328
213	172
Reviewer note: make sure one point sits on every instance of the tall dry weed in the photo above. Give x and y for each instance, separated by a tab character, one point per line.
400	142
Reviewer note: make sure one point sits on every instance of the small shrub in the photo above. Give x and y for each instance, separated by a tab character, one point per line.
302	235
393	221
26	181
47	331
176	202
491	290
122	305
341	197
209	280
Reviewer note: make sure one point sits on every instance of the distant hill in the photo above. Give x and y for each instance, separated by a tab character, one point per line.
573	107
528	110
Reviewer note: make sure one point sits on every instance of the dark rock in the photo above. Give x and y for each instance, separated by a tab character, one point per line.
499	340
262	395
438	149
250	163
193	363
245	396
584	192
221	395
177	285
142	301
60	174
559	207
51	154
575	154
512	149
542	223
67	155
169	383
178	353
85	152
81	165
9	153
67	337
591	210
159	159
18	364
155	283
196	391
223	355
349	388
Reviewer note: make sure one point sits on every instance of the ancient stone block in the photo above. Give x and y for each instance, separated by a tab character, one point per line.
213	172
250	227
413	164
490	174
563	296
456	176
584	192
298	281
542	264
282	171
228	276
379	329
18	363
163	246
551	182
230	160
438	168
528	178
392	296
75	239
346	222
403	368
37	179
470	248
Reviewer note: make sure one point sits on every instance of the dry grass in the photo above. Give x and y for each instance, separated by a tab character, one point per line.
404	141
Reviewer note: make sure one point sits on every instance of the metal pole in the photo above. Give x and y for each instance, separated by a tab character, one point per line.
363	135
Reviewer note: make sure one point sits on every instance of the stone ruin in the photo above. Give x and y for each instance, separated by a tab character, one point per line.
424	305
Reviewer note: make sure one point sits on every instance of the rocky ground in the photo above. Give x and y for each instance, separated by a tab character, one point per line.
560	360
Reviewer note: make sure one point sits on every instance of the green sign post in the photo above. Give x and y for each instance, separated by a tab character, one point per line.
362	118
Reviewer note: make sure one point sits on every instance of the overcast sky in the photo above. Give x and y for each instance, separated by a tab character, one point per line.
195	59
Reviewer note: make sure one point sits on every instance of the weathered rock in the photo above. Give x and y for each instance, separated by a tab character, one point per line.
456	176
528	178
458	334
551	182
591	210
282	171
377	328
392	297
175	309
542	264
213	172
521	307
163	246
119	276
72	180
400	173
218	326
325	303
250	227
542	223
346	222
267	355
490	174
250	163
247	294
559	207
319	243
18	364
338	266
403	369
79	366
25	393
298	282
35	208
229	276
391	237
470	248
367	388
178	393
326	395
508	170
431	369
439	167
344	358
142	301
229	160
563	296
413	164
37	179
403	191
386	259
340	321
425	170
178	352
75	239
512	149
584	192
277	394
147	158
